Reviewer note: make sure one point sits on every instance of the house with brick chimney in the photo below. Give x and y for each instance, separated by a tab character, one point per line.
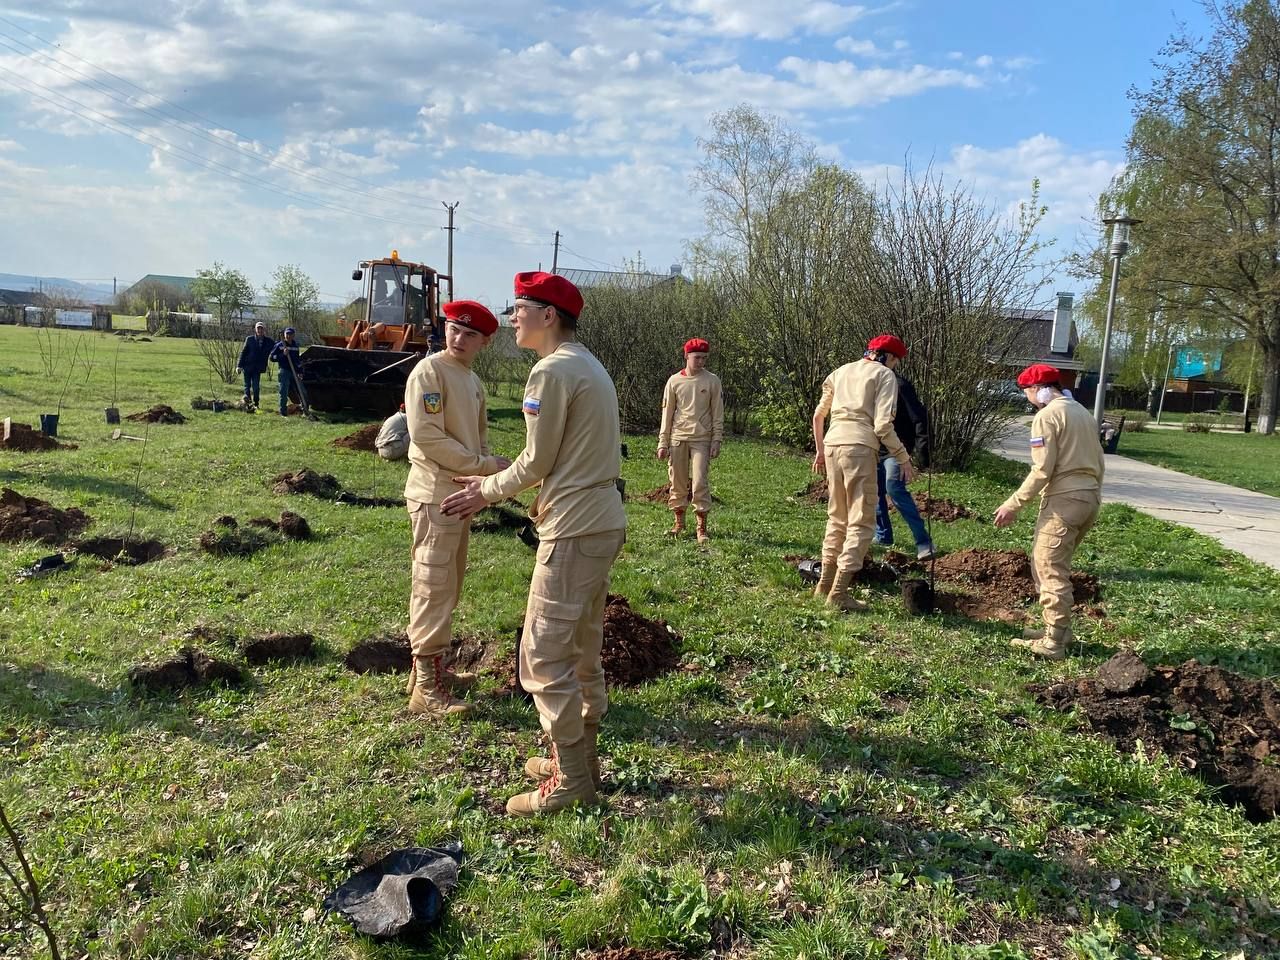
1047	336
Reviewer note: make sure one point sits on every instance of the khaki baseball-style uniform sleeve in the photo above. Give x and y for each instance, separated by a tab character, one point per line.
717	411
669	404
544	432
427	427
886	408
1044	454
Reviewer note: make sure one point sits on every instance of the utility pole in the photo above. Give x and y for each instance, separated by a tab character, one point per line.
555	256
450	207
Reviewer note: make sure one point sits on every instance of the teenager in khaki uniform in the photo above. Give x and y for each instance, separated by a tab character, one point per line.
860	397
445	410
1067	465
691	433
571	448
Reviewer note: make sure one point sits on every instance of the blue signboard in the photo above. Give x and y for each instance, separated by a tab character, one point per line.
1193	362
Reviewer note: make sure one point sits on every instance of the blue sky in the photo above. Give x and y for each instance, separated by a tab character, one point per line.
152	136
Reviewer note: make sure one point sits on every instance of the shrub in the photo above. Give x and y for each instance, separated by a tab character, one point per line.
1197	423
1136	422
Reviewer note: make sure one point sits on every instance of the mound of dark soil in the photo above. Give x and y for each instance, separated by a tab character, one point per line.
362	439
307	480
188	668
26	518
1223	727
21	438
278	646
663	493
160	413
636	648
290	525
815	492
129	551
939	509
629	953
384	654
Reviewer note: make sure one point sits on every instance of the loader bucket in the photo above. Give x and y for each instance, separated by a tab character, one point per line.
365	381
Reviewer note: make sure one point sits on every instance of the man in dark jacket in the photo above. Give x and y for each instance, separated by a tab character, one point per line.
911	424
286	354
253	362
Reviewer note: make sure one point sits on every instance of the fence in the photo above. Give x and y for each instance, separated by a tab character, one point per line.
72	318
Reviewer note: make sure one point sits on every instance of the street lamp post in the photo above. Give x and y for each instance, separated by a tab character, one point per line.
1120	227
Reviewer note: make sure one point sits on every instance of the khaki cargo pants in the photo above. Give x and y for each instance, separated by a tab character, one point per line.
564	630
439	564
690	460
851	506
1063	521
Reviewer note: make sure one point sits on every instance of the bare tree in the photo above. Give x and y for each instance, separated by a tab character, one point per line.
19	889
947	272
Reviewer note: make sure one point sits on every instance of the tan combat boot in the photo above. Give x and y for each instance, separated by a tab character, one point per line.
456	682
430	695
839	596
677	527
544	768
703	536
1050	644
570	784
826	577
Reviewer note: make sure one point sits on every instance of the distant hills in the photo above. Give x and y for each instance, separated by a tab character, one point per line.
78	289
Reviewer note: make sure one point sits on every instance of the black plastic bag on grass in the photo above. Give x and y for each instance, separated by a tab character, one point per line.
402	895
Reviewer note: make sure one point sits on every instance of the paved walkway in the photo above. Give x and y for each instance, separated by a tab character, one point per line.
1238	519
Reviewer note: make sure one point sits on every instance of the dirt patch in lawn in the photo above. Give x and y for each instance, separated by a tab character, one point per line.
226	538
278	646
307	480
390	653
160	413
356	500
983	584
939	509
629	953
636	648
129	551
26	518
188	668
362	439
663	493
382	654
1221	726
815	492
21	438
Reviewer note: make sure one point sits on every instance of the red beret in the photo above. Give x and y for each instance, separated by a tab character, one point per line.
1039	375
551	289
697	345
888	343
471	314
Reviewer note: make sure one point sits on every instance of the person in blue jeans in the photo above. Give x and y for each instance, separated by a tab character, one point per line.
286	354
253	362
911	424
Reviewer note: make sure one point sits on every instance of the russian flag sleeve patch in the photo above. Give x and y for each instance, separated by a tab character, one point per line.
532	406
1037	442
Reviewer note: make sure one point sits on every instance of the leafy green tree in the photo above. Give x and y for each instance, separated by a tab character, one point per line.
225	293
296	299
1208	129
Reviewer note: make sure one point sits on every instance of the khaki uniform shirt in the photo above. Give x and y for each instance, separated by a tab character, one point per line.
444	404
692	409
394	429
1066	455
571	448
861	398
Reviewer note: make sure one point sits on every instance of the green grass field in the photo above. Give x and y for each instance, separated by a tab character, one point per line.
1247	460
807	785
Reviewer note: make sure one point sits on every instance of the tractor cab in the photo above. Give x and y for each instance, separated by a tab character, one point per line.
401	308
366	365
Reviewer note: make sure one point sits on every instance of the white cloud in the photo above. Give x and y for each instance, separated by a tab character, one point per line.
10	146
984	61
768	19
845	85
